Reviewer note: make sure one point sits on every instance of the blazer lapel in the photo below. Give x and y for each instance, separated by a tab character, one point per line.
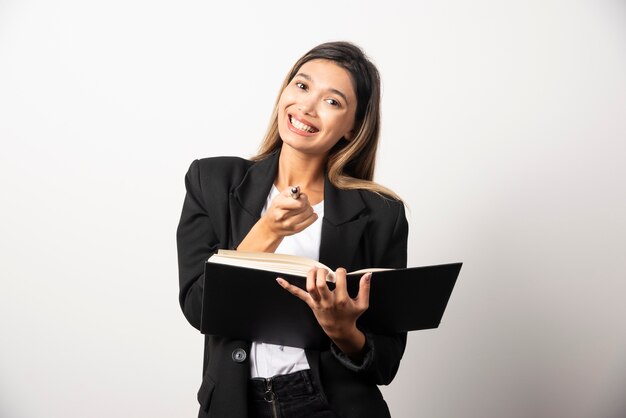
249	197
342	227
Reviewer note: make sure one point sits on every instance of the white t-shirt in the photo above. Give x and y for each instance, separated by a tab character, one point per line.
267	360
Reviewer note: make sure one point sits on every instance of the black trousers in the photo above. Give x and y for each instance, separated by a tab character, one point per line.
293	395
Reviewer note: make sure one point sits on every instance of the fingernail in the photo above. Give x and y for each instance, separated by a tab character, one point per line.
280	281
368	277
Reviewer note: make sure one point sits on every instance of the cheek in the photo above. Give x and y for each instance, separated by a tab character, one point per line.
286	97
343	124
281	101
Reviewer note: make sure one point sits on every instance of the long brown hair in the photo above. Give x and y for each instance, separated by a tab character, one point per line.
351	163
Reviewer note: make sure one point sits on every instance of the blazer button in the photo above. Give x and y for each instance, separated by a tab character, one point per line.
239	355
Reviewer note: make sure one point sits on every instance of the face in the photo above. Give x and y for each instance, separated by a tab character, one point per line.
317	108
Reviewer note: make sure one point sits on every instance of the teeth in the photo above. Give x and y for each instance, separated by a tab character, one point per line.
301	125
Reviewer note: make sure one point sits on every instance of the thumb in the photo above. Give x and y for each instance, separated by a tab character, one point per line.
363	298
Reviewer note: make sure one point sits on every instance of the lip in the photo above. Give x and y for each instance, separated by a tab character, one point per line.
298	131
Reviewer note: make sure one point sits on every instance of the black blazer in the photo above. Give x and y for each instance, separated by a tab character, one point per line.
225	196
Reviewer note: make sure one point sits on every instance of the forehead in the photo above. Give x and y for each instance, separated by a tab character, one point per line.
328	75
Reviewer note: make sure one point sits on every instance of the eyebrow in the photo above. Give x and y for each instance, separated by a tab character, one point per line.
337	92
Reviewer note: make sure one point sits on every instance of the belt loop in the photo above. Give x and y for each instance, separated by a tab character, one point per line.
306	375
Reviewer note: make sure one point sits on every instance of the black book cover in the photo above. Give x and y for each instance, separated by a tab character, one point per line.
248	304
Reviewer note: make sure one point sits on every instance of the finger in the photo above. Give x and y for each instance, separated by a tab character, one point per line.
297	217
310	285
288	204
341	287
363	298
304	198
289	220
303	224
322	287
293	207
294	290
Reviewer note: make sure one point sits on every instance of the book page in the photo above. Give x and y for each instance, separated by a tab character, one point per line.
368	270
279	263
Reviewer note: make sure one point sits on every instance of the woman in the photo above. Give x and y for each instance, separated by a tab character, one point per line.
308	192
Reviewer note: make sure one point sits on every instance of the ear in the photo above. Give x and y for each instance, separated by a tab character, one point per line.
349	135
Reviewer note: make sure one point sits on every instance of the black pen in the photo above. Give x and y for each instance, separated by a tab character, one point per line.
295	192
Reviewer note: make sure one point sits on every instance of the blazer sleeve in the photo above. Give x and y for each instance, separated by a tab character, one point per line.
383	352
196	241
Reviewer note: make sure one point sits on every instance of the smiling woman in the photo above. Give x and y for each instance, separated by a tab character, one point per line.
351	162
314	114
315	110
322	138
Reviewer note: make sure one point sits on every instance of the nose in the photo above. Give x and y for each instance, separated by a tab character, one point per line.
307	105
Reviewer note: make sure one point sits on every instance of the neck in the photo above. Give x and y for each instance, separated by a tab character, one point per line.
296	169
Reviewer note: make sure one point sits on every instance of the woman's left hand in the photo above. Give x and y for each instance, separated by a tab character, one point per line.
335	310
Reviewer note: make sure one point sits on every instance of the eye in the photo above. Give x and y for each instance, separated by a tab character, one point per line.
333	102
301	85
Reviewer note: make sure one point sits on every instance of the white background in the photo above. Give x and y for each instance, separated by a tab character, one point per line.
504	129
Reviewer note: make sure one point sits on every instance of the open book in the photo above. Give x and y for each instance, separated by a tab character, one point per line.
241	298
278	263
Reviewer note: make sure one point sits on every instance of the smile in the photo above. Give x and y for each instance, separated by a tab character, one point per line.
300	126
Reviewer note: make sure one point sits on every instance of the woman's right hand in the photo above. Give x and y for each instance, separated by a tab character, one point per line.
288	216
285	216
